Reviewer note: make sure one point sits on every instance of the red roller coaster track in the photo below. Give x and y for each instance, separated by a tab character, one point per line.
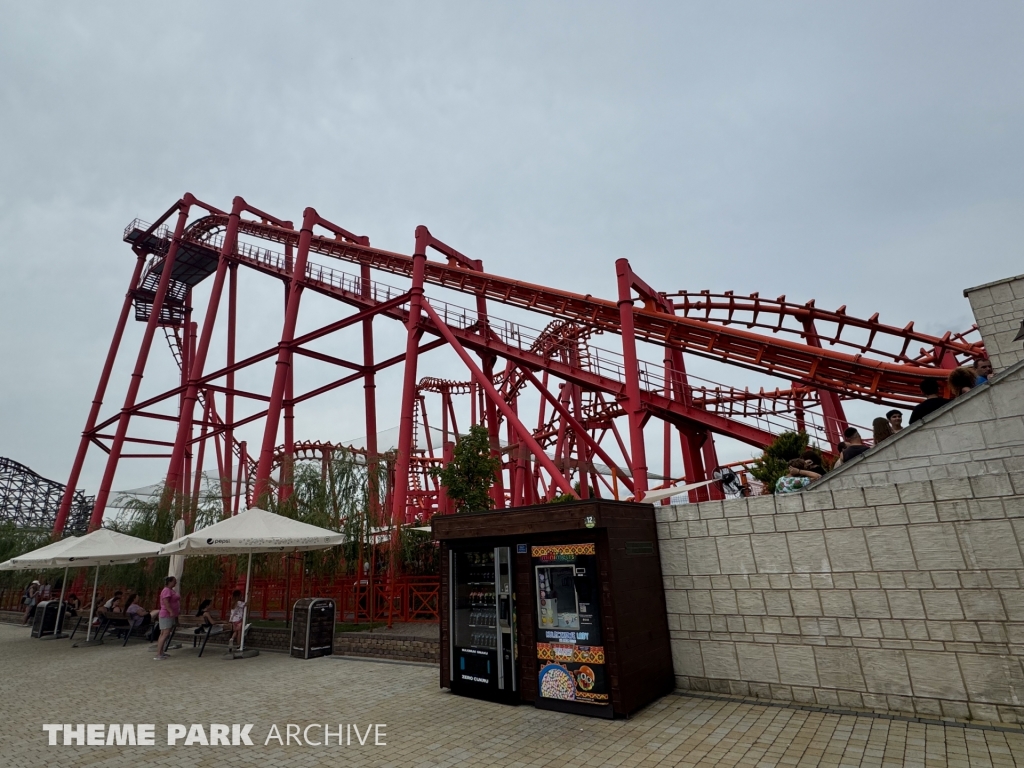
585	392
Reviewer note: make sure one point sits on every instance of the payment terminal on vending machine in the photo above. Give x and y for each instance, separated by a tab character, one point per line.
570	650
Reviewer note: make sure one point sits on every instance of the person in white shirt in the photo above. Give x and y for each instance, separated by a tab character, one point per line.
237	617
113	605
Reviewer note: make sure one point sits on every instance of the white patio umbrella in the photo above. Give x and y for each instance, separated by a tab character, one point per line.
103	547
254	530
43	558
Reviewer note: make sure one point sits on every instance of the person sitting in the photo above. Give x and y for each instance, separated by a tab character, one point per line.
113	605
136	614
932	402
881	429
813	458
203	612
982	371
797	478
895	419
854	445
962	381
73	605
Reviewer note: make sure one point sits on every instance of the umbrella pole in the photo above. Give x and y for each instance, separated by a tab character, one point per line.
60	606
92	607
245	611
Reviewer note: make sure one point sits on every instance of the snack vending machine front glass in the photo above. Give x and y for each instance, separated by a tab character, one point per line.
570	649
483	649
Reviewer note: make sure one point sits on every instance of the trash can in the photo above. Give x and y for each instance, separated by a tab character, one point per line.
46	618
313	628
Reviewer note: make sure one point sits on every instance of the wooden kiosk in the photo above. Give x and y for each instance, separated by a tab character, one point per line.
561	605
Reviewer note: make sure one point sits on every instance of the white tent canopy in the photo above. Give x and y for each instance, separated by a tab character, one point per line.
106	547
101	547
38	558
254	530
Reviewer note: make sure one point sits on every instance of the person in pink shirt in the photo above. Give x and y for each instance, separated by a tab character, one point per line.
170	607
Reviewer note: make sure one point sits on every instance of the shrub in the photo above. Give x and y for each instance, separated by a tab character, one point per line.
774	462
470	474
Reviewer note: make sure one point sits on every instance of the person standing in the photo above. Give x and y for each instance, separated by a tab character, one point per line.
982	370
895	419
881	430
237	617
31	600
170	608
961	381
932	402
854	445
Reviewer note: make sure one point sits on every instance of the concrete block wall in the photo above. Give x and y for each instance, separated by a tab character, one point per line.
998	310
980	433
907	597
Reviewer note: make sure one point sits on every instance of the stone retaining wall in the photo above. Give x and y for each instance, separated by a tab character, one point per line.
384	646
905	597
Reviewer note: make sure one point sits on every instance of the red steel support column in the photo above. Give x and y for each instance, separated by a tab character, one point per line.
498	489
831	405
568	418
284	356
402	461
229	396
494	396
633	402
140	366
370	401
287	461
97	402
181	441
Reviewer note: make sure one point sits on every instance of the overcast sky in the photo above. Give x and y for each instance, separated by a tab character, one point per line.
866	154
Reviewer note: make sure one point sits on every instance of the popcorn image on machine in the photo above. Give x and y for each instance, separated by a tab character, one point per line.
569	645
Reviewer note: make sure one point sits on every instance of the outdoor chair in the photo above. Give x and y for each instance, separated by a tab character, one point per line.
200	632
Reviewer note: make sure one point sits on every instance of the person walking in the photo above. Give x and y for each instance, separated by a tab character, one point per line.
170	608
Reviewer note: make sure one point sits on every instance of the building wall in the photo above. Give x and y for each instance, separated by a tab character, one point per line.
998	310
980	433
906	597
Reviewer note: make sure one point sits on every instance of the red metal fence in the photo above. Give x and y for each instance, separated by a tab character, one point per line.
410	598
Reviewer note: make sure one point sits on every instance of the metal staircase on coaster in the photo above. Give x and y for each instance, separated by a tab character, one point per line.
585	391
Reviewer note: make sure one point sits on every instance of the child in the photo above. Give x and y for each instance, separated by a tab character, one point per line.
237	617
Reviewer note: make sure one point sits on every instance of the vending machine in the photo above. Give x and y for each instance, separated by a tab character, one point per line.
570	647
482	647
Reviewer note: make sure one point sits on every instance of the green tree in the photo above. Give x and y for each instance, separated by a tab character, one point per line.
470	474
774	462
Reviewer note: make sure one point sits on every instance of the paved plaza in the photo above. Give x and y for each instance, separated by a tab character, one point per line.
50	682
